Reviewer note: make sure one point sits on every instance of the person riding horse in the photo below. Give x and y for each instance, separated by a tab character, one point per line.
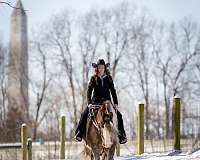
99	89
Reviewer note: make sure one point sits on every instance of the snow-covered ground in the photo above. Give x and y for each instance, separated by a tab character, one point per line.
173	155
164	156
146	156
50	151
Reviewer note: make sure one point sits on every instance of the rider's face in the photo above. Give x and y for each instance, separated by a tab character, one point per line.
101	69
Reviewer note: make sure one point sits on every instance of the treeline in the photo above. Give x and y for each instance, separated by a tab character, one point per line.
151	61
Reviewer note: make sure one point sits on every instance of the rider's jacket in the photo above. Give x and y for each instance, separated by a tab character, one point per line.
99	89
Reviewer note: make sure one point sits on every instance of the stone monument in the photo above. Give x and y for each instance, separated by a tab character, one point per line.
18	61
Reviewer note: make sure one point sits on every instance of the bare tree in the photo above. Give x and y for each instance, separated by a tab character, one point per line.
115	33
158	45
142	59
173	63
59	38
11	6
184	48
40	79
89	39
157	59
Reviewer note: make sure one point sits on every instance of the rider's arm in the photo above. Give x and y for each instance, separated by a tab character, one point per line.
113	91
90	89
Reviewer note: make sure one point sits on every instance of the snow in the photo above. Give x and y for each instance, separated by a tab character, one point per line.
174	155
73	152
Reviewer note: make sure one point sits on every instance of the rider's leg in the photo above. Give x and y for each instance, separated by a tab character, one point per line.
122	134
80	131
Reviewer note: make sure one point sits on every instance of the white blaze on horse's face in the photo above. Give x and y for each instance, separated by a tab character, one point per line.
110	129
107	136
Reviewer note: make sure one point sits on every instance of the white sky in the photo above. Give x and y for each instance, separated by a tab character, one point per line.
40	10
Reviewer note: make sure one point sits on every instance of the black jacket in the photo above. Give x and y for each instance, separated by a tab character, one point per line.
99	90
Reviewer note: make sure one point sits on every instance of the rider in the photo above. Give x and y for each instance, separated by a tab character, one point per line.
99	89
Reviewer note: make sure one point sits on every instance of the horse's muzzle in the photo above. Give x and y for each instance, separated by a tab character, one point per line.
107	118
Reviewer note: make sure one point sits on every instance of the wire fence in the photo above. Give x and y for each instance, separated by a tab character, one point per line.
190	139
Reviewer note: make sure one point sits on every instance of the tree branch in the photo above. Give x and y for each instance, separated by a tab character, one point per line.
8	3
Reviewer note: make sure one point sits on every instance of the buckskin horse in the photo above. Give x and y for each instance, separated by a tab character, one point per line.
101	133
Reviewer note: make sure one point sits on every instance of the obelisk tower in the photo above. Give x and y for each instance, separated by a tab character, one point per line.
18	61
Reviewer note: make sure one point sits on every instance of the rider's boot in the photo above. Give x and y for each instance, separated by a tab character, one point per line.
121	131
81	128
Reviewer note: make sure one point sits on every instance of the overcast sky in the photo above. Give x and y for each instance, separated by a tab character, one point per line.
39	11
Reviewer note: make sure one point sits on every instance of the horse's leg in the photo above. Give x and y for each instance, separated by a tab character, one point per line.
87	154
96	153
108	154
111	152
104	155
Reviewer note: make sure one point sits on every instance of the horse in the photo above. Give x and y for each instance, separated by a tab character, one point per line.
101	133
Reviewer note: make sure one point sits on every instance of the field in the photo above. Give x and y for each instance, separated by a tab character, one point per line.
154	150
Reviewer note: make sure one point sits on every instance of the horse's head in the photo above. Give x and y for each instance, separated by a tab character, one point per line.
103	131
105	113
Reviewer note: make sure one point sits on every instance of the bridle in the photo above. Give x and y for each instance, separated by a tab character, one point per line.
92	109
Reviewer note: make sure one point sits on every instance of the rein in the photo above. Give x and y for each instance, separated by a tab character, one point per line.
92	115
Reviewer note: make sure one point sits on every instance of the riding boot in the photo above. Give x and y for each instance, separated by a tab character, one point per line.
122	134
81	128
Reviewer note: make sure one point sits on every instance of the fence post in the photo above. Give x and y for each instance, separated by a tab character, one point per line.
24	141
118	149
29	146
177	120
140	133
62	137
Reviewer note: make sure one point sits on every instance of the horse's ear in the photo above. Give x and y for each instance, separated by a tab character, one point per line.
94	65
107	64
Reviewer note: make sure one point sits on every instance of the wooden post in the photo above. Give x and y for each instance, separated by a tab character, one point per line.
62	137
140	133
118	149
23	141
29	147
177	121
